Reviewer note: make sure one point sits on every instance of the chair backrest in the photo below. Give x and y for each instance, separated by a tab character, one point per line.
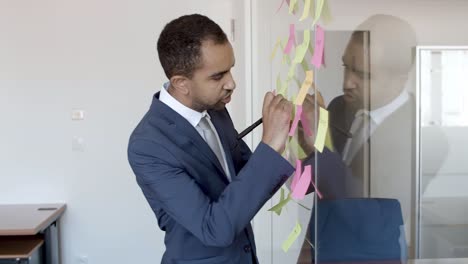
358	230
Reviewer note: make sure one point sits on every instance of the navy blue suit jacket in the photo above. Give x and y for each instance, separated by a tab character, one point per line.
206	218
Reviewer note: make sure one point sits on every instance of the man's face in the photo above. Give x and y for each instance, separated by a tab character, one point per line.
356	83
212	83
368	82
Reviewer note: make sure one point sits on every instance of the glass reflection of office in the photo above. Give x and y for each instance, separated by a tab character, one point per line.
443	171
368	180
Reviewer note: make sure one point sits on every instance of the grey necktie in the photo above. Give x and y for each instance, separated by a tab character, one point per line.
213	141
360	131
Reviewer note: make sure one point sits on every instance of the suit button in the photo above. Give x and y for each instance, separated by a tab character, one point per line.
247	249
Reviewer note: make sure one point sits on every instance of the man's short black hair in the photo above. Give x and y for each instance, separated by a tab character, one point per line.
180	43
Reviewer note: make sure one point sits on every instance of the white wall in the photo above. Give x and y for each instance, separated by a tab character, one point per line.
98	56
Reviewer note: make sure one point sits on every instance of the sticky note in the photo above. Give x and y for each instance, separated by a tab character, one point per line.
296	120
329	142
278	207
301	50
292	237
291	39
297	174
275	48
318	11
305	88
303	184
318	57
305	13
305	66
316	189
321	130
291	71
286	58
281	88
296	148
326	16
281	5
292	5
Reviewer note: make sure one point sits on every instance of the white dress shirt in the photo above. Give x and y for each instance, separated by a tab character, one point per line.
193	117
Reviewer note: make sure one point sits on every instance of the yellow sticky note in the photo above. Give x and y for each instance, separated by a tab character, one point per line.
312	10
305	13
301	50
292	237
275	48
329	142
278	207
318	11
305	87
292	71
281	88
296	149
292	5
321	130
326	15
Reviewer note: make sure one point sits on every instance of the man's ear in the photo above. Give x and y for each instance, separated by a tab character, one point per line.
181	84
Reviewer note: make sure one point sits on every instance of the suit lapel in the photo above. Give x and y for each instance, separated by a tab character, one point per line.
185	134
222	136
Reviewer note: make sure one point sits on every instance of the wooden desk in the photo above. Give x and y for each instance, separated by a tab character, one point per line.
27	224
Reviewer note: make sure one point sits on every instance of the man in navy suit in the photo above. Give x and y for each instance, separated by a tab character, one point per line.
203	184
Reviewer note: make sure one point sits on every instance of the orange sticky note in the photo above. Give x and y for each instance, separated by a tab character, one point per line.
305	87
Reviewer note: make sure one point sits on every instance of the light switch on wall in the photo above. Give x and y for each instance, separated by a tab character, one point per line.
78	114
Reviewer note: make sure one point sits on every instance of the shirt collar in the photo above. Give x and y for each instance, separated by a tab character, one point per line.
192	116
378	115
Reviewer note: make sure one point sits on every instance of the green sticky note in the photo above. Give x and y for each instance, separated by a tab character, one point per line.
292	71
321	130
329	142
305	12
292	5
296	148
292	237
305	66
326	14
278	207
301	50
285	59
318	11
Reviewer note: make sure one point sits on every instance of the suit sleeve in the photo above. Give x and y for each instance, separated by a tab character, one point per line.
166	184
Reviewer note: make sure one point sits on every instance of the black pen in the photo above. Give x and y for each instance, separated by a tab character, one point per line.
258	122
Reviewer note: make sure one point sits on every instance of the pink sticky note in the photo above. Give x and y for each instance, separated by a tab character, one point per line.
297	174
282	3
291	39
319	47
296	120
316	189
303	184
306	124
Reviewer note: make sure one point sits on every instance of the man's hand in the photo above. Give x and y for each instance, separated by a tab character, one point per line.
309	109
276	119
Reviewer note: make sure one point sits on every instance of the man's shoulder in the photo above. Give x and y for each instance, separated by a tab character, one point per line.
336	103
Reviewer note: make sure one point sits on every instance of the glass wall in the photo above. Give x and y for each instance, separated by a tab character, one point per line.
381	130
